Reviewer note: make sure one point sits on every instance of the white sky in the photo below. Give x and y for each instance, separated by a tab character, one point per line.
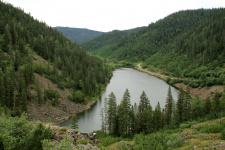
107	15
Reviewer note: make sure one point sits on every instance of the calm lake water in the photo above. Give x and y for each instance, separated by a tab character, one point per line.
136	82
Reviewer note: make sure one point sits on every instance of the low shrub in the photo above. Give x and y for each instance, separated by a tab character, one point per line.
223	134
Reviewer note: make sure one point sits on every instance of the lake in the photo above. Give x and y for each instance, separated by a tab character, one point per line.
136	82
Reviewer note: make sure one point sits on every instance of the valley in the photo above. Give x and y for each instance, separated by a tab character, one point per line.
160	86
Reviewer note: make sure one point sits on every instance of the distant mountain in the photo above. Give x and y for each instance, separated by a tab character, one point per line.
101	43
78	35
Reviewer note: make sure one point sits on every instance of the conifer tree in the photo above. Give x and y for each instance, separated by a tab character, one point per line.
124	115
179	106
143	104
111	113
74	123
186	106
207	106
148	120
24	100
196	109
157	117
216	103
169	107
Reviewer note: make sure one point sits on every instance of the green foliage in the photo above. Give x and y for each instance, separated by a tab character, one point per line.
17	133
38	134
78	97
223	134
70	97
106	140
174	140
64	144
52	95
158	140
214	128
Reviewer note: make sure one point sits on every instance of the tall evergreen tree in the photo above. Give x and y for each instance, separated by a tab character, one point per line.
143	104
196	108
207	106
148	120
24	100
111	113
169	107
179	106
124	115
157	117
186	106
74	123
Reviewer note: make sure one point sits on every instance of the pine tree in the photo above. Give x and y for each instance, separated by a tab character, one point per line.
103	120
196	109
24	100
105	110
157	117
216	103
207	106
124	115
143	104
112	113
169	107
74	123
148	120
186	106
179	106
23	95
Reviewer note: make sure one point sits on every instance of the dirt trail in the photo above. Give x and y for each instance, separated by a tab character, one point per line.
200	92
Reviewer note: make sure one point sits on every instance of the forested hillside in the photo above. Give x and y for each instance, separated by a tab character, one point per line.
78	35
187	44
101	44
68	66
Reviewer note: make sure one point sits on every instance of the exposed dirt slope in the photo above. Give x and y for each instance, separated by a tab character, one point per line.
201	92
59	113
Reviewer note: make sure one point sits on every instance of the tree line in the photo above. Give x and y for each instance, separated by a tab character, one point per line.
127	120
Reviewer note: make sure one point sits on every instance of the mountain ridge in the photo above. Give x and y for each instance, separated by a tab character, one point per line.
78	35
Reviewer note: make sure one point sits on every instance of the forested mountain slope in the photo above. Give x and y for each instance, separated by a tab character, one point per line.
102	43
78	35
187	44
65	63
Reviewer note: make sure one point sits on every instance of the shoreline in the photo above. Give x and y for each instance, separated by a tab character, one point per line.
203	92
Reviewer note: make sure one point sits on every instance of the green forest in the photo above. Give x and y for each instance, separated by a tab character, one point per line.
68	65
189	45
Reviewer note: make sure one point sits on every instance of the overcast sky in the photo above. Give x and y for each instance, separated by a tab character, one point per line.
107	15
